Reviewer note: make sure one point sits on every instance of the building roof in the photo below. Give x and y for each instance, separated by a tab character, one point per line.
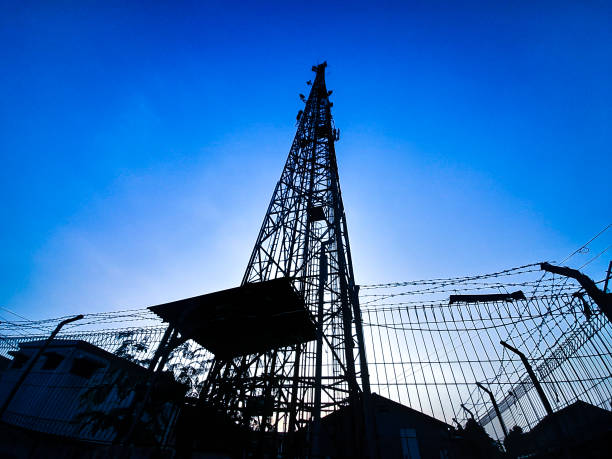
59	343
382	404
575	416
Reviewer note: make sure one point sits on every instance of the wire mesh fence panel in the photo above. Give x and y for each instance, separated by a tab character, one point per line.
428	343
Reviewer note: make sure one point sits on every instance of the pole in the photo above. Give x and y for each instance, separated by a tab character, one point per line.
602	299
26	372
499	416
558	427
366	394
533	377
466	409
316	431
368	410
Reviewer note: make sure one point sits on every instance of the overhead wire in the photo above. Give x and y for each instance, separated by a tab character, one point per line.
424	351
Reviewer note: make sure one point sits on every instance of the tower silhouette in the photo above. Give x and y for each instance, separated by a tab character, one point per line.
284	390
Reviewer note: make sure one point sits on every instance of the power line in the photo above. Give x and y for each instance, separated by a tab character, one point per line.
586	244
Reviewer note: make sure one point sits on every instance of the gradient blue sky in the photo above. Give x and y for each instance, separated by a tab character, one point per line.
141	142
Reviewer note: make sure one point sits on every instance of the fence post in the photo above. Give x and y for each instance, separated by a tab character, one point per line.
533	377
466	409
499	416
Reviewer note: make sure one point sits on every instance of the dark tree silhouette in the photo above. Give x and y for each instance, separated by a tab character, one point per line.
513	441
110	404
476	443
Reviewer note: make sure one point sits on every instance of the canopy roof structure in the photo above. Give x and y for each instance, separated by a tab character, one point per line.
249	319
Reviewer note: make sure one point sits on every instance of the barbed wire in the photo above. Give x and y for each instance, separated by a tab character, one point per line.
423	350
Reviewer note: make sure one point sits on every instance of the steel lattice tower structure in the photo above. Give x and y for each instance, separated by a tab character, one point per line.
303	237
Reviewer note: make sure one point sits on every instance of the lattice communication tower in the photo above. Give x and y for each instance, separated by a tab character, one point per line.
303	238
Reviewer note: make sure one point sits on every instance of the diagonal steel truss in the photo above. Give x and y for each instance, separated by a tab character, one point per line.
304	237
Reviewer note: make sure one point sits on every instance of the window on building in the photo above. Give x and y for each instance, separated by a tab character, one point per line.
52	360
19	359
84	367
410	446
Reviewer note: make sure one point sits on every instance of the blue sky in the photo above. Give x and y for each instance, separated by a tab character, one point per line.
141	142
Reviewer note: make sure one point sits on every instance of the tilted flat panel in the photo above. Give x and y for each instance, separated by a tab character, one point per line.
253	318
